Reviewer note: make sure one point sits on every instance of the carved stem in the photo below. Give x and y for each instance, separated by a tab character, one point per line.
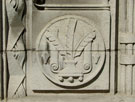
70	38
54	59
88	57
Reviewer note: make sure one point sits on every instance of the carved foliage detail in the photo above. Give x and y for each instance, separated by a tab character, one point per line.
70	50
16	48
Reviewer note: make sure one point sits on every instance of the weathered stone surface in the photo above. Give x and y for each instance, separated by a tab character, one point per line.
75	97
0	48
126	69
68	50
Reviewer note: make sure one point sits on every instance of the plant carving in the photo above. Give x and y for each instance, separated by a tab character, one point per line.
70	52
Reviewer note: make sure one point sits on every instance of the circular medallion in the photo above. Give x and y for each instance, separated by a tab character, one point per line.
71	50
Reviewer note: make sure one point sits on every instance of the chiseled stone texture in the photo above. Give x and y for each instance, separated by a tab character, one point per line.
68	50
0	47
74	98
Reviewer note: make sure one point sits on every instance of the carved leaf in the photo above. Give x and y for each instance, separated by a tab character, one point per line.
55	42
17	4
83	43
15	14
70	37
14	3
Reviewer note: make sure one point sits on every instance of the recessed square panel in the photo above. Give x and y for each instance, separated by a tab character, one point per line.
70	51
99	18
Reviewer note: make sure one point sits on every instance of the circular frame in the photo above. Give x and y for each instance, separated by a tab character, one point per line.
102	57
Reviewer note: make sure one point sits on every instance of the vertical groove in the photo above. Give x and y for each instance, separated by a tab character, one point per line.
28	39
113	71
134	49
129	76
123	72
4	47
0	50
130	16
134	73
129	72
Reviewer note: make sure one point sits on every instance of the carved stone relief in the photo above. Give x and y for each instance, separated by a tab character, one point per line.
127	49
66	55
63	51
67	47
43	3
16	47
0	50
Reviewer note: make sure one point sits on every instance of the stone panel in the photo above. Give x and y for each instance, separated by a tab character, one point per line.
101	23
0	49
67	50
55	39
43	79
126	46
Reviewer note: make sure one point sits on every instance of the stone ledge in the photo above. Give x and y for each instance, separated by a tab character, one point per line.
75	98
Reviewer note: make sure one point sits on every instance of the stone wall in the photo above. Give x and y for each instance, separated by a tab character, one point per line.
126	69
0	45
65	49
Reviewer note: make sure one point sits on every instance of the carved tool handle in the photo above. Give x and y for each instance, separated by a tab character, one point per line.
54	59
88	58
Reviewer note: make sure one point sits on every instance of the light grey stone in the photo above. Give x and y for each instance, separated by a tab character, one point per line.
0	49
67	50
